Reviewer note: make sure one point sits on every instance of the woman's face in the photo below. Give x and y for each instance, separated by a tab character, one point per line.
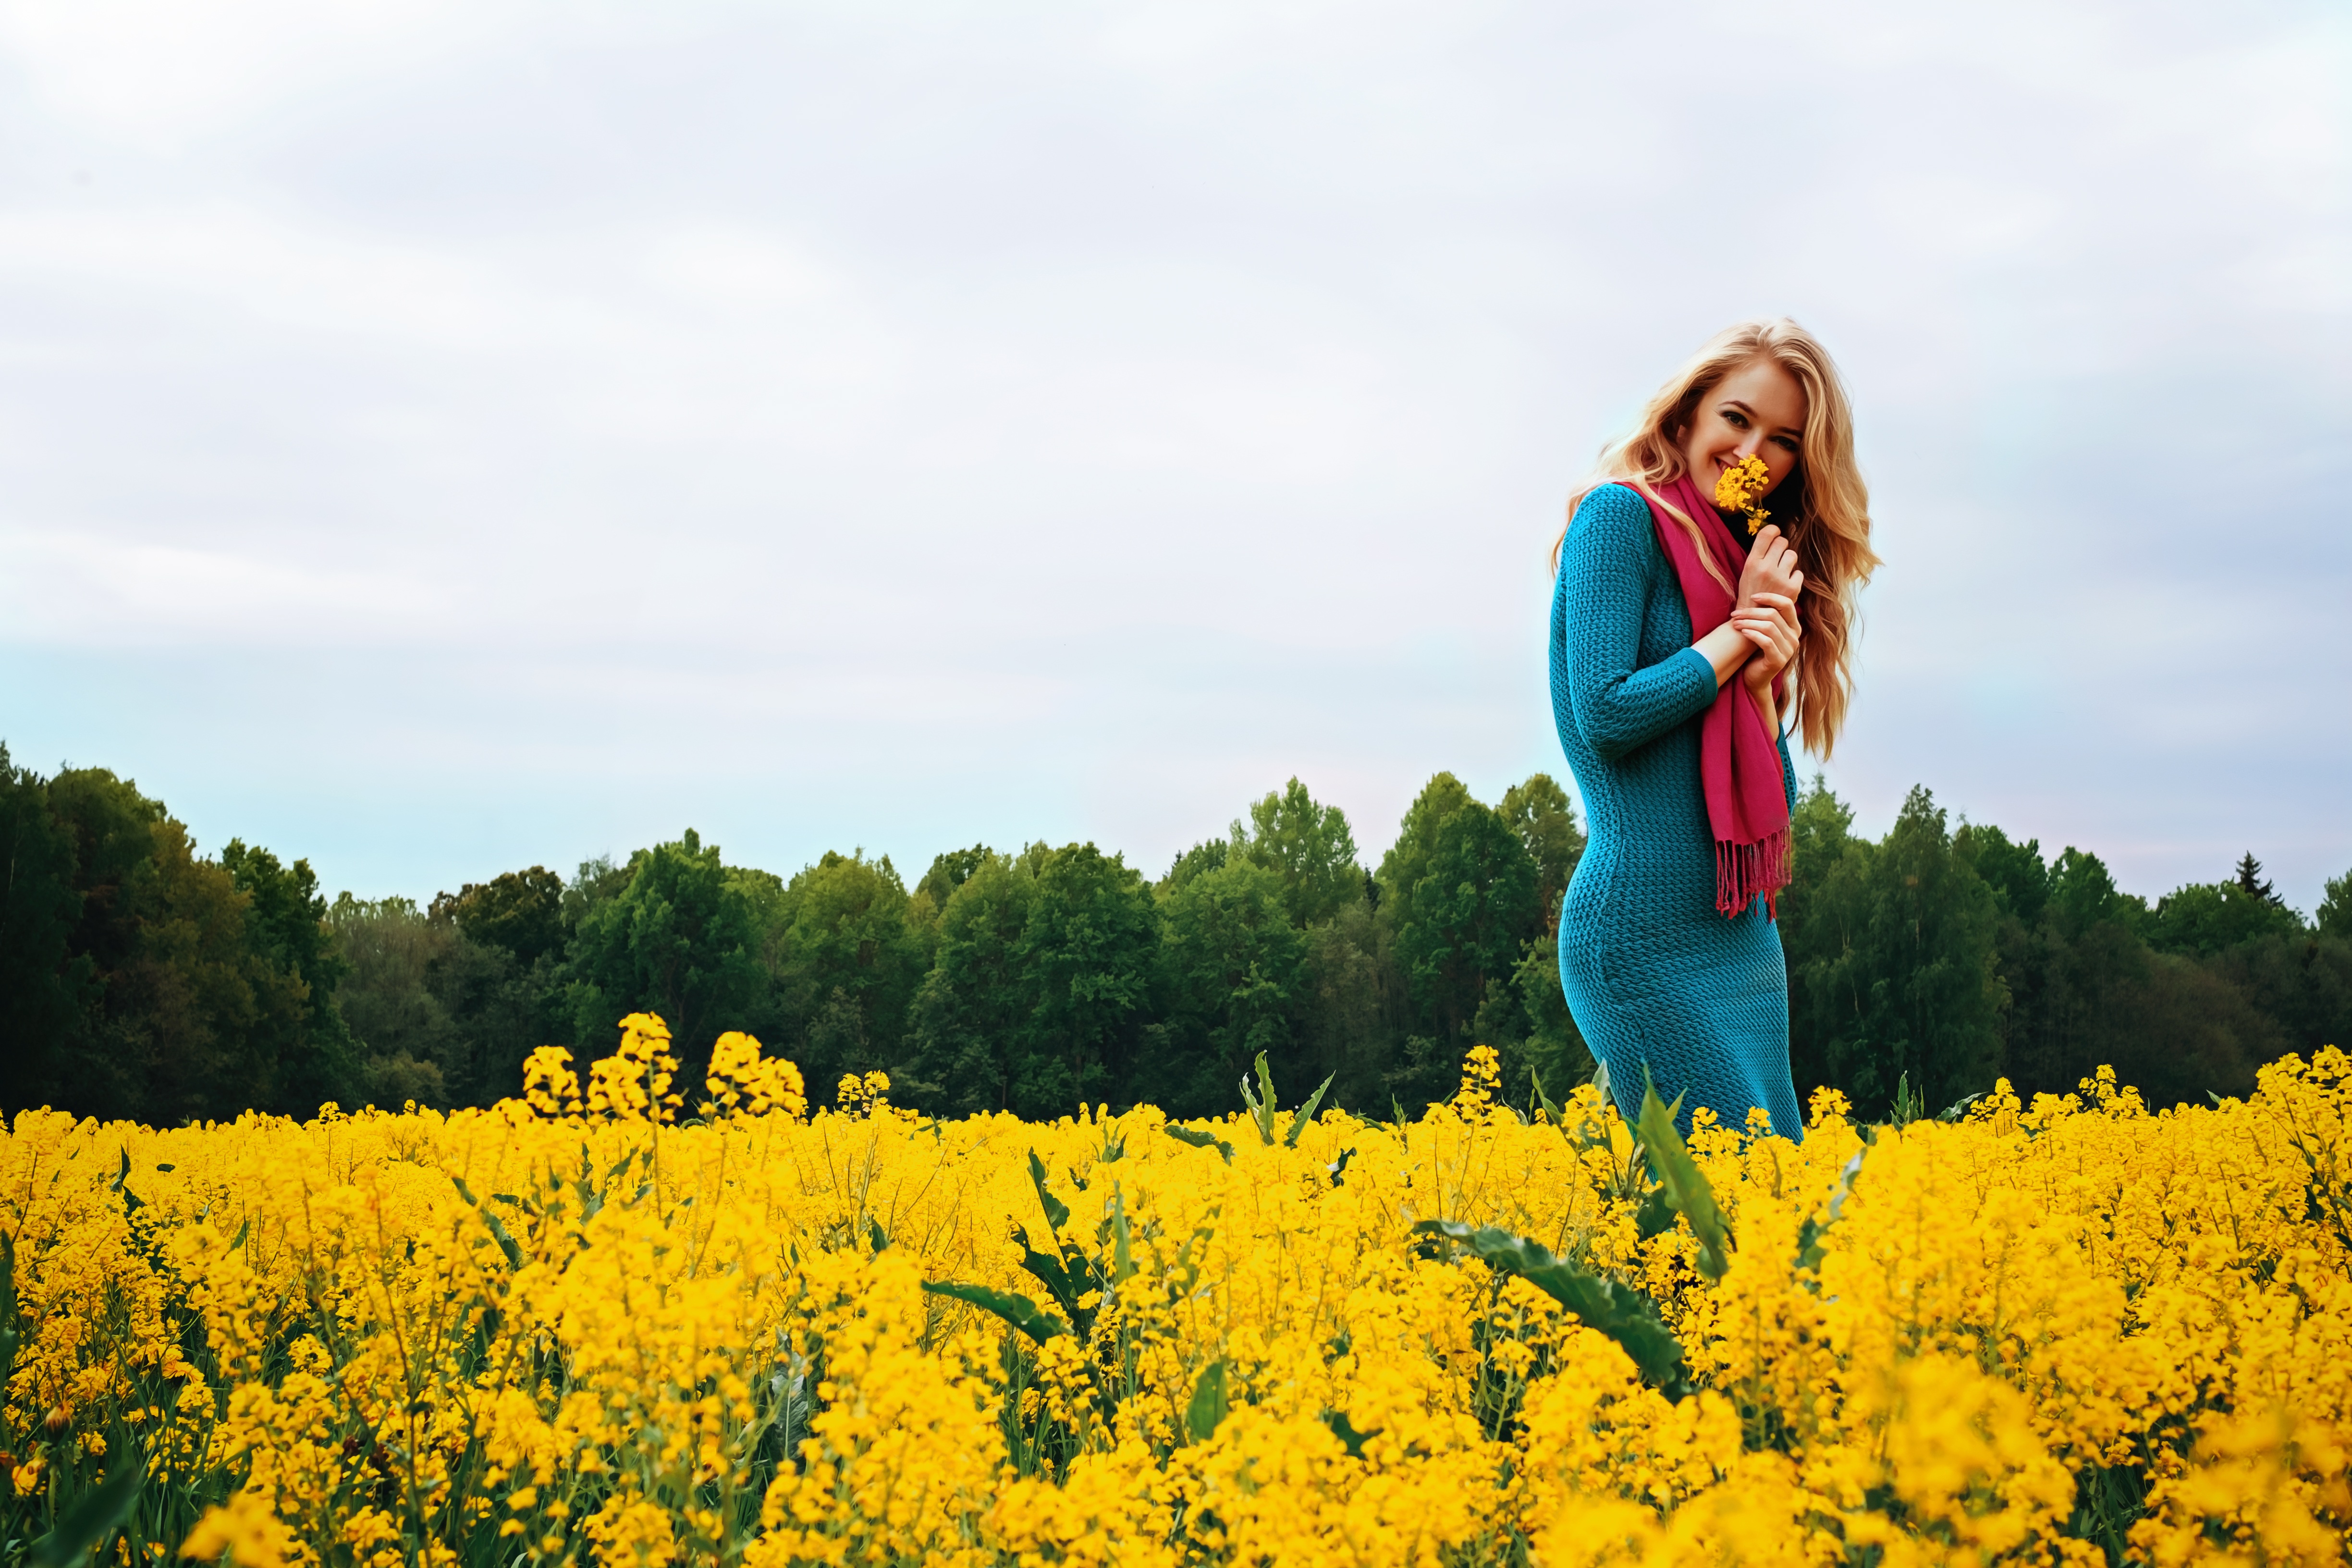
1758	410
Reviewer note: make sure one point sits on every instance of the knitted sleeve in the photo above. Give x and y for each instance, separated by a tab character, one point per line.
1605	569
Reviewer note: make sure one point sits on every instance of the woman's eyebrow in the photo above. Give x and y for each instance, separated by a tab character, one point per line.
1744	408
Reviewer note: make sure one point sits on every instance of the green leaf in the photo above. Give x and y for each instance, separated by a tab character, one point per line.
1209	1403
1261	1104
1624	1314
131	1202
1684	1187
8	1330
1551	1107
1810	1250
1655	1216
1812	1236
94	1519
1056	1211
1018	1310
1200	1140
1054	1273
1343	1429
1122	1251
498	1226
876	1234
1300	1122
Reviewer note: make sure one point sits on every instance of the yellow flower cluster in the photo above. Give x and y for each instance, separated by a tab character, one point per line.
577	1330
1739	486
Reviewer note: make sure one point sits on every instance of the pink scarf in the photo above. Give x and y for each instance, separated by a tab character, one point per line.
1739	757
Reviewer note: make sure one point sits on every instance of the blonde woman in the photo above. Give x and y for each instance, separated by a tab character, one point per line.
1687	641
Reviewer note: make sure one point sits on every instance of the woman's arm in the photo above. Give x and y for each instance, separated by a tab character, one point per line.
1604	569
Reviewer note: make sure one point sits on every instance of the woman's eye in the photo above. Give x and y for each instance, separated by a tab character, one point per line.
1787	443
1733	418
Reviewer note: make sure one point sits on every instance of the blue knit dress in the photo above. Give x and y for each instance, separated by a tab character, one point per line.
1656	977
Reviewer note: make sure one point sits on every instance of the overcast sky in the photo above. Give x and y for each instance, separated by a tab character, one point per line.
441	439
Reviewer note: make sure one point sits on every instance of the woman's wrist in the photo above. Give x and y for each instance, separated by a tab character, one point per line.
1725	650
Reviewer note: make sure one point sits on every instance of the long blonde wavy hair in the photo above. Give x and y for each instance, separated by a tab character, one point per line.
1824	507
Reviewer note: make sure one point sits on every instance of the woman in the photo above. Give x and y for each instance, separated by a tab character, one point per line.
1685	644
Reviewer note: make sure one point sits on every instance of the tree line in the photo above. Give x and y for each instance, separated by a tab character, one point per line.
141	979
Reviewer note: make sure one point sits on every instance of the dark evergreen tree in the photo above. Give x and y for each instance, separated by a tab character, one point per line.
2252	882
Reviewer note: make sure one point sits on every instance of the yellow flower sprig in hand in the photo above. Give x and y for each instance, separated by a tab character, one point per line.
1739	486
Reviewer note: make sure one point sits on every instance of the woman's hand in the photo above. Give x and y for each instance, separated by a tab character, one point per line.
1770	628
1771	567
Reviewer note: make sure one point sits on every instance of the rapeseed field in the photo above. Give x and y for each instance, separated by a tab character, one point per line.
627	1322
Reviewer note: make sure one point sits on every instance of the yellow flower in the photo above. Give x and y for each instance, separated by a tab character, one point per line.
247	1528
1739	486
2067	1332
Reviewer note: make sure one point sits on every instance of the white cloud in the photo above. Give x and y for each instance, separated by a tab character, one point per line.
96	593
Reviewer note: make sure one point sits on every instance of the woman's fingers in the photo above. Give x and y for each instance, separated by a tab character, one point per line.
1773	628
1779	605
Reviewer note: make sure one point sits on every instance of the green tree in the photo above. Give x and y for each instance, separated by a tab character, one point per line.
2334	917
2085	991
1090	946
285	924
519	911
197	994
1232	962
1310	846
195	1018
410	1046
2300	984
679	939
1461	890
1207	856
1814	913
1895	961
1042	983
2203	919
1353	1006
972	1005
1539	812
2015	872
44	988
951	870
847	963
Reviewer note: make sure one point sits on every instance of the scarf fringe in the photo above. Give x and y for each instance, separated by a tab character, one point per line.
1744	872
